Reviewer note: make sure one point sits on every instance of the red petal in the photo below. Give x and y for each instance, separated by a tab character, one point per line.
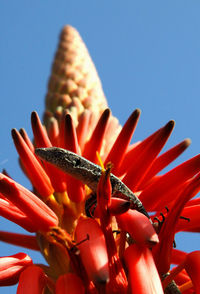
162	252
118	281
28	203
141	164
192	266
39	131
14	214
163	160
118	150
93	251
11	267
27	139
138	226
135	151
69	284
36	173
82	128
118	206
104	190
70	137
178	256
75	188
193	222
22	240
32	281
96	140
160	189
143	275
53	131
42	140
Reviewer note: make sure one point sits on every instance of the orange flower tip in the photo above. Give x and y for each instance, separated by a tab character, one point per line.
169	126
118	206
187	142
4	172
109	167
68	119
136	113
106	112
6	187
34	117
23	133
14	134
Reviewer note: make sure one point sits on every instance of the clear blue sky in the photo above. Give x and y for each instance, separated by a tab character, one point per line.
147	54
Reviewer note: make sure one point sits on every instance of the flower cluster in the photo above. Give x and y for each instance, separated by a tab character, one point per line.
92	239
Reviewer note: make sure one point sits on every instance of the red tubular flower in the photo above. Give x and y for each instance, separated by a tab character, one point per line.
93	250
75	189
69	284
70	137
120	146
163	160
29	204
143	275
144	160
82	128
40	134
116	249
178	256
56	176
188	269
118	206
118	280
36	173
11	268
192	214
22	240
138	226
96	140
137	149
53	131
27	139
161	188
162	252
192	266
14	214
32	280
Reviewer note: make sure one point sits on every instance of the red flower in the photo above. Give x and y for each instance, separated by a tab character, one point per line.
11	268
143	274
34	276
85	224
69	284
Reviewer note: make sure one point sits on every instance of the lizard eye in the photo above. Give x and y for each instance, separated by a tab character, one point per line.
77	162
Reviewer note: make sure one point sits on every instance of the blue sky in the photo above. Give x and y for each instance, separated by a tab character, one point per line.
147	54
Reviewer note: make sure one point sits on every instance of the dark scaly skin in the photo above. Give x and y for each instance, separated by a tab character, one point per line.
88	173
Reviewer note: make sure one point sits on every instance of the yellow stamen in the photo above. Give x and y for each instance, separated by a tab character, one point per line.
100	161
54	205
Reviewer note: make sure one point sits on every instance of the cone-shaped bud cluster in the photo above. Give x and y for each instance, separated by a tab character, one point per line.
74	83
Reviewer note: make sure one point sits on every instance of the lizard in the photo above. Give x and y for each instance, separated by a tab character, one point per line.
88	173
